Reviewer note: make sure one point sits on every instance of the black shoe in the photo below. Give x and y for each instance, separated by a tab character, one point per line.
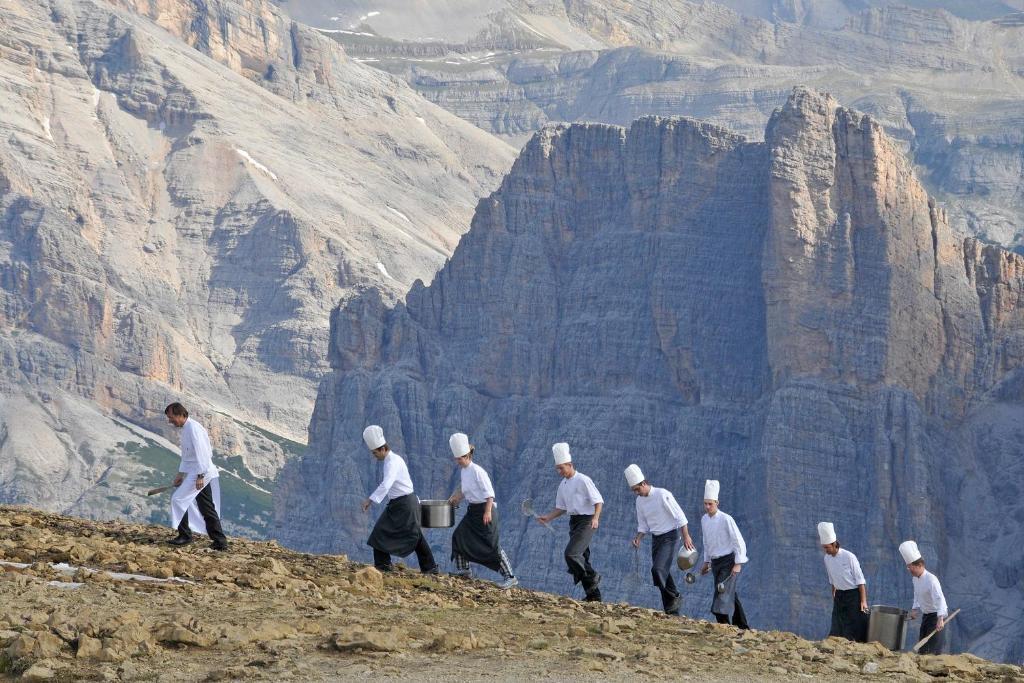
673	607
386	569
596	581
181	539
219	546
593	596
433	571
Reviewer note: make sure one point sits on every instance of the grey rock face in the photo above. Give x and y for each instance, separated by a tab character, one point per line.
792	317
186	191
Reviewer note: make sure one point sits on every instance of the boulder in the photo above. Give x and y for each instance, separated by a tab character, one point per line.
370	578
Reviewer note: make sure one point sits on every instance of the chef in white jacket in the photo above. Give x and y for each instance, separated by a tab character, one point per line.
725	553
195	504
476	538
849	589
658	514
929	602
578	497
397	531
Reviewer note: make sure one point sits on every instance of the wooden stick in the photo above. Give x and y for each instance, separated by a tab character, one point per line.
921	643
153	492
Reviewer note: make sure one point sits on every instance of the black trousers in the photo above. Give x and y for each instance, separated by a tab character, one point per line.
209	512
382	561
663	555
928	623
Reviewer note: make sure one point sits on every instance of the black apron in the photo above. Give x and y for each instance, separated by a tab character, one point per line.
724	602
847	619
476	541
397	530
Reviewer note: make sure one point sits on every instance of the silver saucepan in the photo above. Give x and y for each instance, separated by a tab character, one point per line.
436	514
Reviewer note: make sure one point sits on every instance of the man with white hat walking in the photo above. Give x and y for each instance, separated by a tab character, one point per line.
658	514
929	601
476	537
849	590
397	531
578	496
725	553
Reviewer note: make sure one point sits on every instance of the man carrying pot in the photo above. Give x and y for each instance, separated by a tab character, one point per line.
397	531
658	514
476	537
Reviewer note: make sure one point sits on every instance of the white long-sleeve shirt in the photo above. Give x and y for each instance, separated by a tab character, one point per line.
476	485
928	595
844	570
721	537
658	512
396	481
196	451
577	495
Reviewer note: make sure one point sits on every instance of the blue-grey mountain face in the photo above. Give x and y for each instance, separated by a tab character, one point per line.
791	317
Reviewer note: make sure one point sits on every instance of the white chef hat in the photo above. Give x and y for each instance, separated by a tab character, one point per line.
561	453
910	552
459	443
711	487
826	533
634	475
374	437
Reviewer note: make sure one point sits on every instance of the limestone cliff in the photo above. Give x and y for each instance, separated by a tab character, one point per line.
792	317
186	190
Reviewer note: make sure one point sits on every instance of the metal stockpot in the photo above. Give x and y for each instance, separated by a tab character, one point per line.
686	559
888	626
436	514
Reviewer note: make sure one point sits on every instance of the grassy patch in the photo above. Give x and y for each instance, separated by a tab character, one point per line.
245	505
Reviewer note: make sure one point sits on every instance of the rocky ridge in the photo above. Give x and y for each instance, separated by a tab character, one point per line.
794	318
261	612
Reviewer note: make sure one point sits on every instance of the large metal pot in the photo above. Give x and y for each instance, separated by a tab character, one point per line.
436	514
686	559
888	626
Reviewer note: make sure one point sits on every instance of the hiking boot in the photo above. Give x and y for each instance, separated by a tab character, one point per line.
507	583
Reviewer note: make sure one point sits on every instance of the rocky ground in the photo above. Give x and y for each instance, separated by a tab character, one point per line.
263	612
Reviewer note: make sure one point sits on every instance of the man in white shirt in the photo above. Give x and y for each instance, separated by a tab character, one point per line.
397	531
577	496
476	537
198	483
725	553
929	602
849	589
658	514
